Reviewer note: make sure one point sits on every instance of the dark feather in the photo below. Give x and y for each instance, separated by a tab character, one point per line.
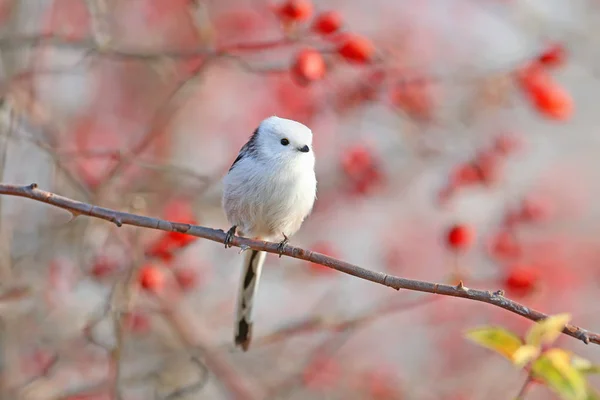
249	149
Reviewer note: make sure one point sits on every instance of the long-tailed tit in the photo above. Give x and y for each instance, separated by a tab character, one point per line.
268	192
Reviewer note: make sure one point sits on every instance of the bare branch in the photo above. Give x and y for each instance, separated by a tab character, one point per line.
217	235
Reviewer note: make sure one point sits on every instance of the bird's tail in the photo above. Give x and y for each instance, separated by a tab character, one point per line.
253	262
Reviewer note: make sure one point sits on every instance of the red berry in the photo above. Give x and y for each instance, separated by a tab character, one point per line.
327	22
460	237
554	55
151	278
186	278
309	66
356	49
546	94
295	10
522	278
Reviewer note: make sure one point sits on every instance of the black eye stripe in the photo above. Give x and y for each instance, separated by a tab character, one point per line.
285	142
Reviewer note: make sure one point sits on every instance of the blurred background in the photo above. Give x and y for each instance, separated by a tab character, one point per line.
454	140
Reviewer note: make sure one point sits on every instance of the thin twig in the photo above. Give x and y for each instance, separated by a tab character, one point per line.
119	218
526	386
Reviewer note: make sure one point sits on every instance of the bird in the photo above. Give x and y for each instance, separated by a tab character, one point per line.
268	192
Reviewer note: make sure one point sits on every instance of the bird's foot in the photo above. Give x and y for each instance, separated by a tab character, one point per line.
282	245
229	236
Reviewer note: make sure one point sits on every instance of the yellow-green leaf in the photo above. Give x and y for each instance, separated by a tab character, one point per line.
555	369
547	330
525	354
592	394
498	339
584	366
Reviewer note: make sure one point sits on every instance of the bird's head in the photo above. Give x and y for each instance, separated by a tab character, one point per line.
284	140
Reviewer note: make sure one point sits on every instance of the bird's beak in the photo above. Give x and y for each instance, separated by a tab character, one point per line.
304	149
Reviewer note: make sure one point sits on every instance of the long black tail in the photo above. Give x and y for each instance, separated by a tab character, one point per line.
253	262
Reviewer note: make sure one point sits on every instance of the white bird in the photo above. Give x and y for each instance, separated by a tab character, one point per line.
268	192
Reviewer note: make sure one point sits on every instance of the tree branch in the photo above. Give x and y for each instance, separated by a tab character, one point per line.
217	235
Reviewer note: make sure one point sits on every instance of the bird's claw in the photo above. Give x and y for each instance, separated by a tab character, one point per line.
282	244
229	236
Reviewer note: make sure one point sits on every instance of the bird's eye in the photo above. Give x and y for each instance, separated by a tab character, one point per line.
285	142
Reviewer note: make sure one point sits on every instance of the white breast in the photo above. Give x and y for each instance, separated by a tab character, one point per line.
267	201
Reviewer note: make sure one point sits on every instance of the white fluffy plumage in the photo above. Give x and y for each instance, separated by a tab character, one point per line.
268	192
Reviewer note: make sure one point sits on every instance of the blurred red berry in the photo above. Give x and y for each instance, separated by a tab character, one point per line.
356	160
535	209
162	248
321	373
103	267
521	279
488	166
545	93
506	143
327	22
176	210
460	237
356	49
295	10
393	257
180	210
89	396
65	18
360	167
309	66
414	98
381	385
137	322
376	77
328	249
504	245
465	174
368	182
187	278
37	361
151	278
6	7
553	56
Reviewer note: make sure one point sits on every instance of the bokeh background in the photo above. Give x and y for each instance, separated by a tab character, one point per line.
428	116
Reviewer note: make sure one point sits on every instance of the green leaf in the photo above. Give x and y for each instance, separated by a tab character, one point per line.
555	369
547	330
525	354
584	366
495	338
